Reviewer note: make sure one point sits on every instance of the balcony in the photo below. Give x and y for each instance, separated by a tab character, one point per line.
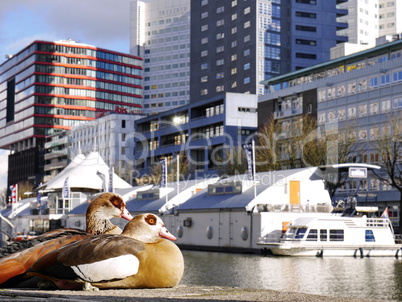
57	142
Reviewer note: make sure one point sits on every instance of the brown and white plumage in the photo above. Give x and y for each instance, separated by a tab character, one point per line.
140	257
98	215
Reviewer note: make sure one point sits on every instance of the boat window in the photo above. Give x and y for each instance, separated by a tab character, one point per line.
300	233
369	236
290	233
312	235
336	235
323	235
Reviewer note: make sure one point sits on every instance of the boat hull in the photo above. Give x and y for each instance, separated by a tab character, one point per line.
281	249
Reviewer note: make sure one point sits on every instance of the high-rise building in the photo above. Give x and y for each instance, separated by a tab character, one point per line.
160	33
362	20
368	20
389	17
237	44
51	86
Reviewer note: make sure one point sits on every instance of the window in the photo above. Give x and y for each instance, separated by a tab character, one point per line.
220	36
220	62
306	15
220	9
336	235
220	49
204	27
312	235
246	66
370	236
234	17
312	2
385	79
123	123
323	235
204	40
234	30
204	66
306	28
301	55
300	233
246	38
204	15
306	42
247	10
246	80
220	22
220	75
247	24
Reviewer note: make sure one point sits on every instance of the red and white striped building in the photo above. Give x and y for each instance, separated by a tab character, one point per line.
52	86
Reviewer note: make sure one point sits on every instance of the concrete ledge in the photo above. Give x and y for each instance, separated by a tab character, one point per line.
179	293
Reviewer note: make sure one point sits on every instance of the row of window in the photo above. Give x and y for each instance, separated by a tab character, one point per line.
77	92
360	110
86	72
63	111
77	82
360	85
87	62
160	95
166	104
88	52
333	71
221	88
76	102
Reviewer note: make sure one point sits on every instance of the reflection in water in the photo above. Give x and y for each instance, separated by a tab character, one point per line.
370	278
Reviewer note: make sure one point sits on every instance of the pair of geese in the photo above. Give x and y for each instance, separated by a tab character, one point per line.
140	256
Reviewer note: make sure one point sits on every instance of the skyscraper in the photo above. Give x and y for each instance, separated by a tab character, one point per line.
51	86
160	33
237	44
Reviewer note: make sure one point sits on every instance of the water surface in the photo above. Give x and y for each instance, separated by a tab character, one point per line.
367	278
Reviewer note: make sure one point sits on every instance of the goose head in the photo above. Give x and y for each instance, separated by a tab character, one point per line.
105	207
147	228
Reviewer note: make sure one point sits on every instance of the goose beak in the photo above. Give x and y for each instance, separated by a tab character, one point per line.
126	215
164	233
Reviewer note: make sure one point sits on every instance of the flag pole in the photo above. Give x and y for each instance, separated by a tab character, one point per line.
177	172
255	187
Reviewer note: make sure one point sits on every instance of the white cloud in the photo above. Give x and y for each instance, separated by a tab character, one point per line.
102	23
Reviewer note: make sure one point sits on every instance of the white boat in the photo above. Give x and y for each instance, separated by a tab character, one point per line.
334	235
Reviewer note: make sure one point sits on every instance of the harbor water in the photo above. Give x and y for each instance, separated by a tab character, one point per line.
366	278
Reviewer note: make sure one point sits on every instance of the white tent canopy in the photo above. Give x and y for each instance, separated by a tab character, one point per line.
82	173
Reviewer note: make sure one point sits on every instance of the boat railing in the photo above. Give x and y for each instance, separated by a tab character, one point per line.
295	208
377	222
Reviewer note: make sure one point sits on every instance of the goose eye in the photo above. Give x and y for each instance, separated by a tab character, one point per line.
116	201
150	219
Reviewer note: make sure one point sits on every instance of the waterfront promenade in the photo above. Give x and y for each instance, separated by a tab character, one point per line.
179	293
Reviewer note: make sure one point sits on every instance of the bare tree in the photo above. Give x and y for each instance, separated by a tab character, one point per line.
24	187
389	148
233	162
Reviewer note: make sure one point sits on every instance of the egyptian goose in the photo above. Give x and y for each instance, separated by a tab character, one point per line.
140	257
98	215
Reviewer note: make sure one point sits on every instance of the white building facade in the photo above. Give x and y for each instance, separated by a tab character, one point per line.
112	136
160	33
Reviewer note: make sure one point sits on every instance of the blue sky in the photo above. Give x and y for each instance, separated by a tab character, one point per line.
101	23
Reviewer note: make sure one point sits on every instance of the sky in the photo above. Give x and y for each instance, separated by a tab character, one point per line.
101	23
